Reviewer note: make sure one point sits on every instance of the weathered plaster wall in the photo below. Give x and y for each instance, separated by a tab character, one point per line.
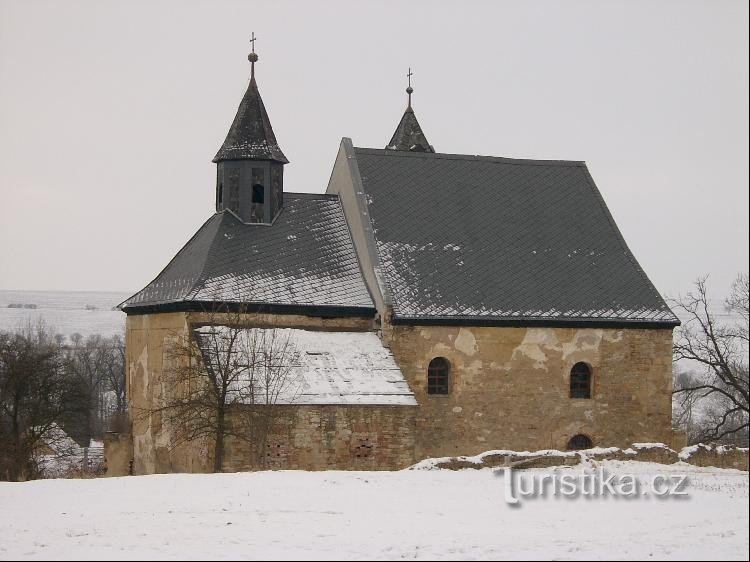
146	354
509	390
510	387
118	453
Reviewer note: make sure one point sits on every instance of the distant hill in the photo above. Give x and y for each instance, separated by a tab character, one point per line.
65	312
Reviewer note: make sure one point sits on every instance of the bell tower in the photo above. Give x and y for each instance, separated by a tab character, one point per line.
250	164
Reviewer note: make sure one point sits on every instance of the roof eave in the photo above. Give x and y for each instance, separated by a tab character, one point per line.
220	157
320	311
534	322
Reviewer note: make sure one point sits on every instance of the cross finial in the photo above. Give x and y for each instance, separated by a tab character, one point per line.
252	57
409	90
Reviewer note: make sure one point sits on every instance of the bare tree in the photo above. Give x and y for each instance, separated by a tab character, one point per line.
115	372
87	368
223	380
718	350
113	390
33	399
687	407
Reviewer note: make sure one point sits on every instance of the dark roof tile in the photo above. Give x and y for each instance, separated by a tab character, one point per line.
306	258
490	238
251	135
408	135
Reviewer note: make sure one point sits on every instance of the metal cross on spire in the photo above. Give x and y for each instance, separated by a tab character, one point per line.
252	57
409	90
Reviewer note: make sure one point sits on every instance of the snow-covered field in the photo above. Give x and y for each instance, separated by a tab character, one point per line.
369	515
64	312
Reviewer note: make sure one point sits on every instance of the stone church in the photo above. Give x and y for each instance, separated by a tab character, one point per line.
442	304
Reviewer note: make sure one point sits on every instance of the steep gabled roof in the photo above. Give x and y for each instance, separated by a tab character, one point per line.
251	135
408	135
499	241
304	260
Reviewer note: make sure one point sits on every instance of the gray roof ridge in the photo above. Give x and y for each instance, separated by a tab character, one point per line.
475	157
215	217
356	254
363	208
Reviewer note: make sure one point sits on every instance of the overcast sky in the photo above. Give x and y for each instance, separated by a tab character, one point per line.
110	114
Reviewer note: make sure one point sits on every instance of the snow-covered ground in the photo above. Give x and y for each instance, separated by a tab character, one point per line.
423	514
64	312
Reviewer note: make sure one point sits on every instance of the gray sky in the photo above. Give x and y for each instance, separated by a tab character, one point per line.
110	113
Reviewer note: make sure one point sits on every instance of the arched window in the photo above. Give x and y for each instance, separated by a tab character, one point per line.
579	442
438	376
220	194
258	193
580	381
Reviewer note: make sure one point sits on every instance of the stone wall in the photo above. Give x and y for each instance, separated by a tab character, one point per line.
718	456
711	454
509	390
510	386
147	356
330	437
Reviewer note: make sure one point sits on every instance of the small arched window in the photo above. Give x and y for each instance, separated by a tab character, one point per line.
220	194
580	381
258	193
438	376
580	442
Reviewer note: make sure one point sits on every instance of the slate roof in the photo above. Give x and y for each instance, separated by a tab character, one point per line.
314	367
409	135
305	259
251	135
498	240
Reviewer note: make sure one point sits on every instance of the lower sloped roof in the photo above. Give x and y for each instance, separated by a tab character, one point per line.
496	240
304	260
309	367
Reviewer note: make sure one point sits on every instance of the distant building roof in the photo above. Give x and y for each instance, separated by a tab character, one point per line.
58	442
305	261
497	240
317	367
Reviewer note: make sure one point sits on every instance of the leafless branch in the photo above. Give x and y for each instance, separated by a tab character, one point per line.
717	352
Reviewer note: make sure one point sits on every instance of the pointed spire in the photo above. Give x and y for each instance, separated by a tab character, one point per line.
251	136
408	135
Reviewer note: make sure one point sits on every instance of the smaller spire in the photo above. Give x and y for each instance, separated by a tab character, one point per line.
252	57
409	90
409	135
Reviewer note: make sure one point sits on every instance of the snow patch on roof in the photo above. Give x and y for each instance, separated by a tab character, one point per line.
352	368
